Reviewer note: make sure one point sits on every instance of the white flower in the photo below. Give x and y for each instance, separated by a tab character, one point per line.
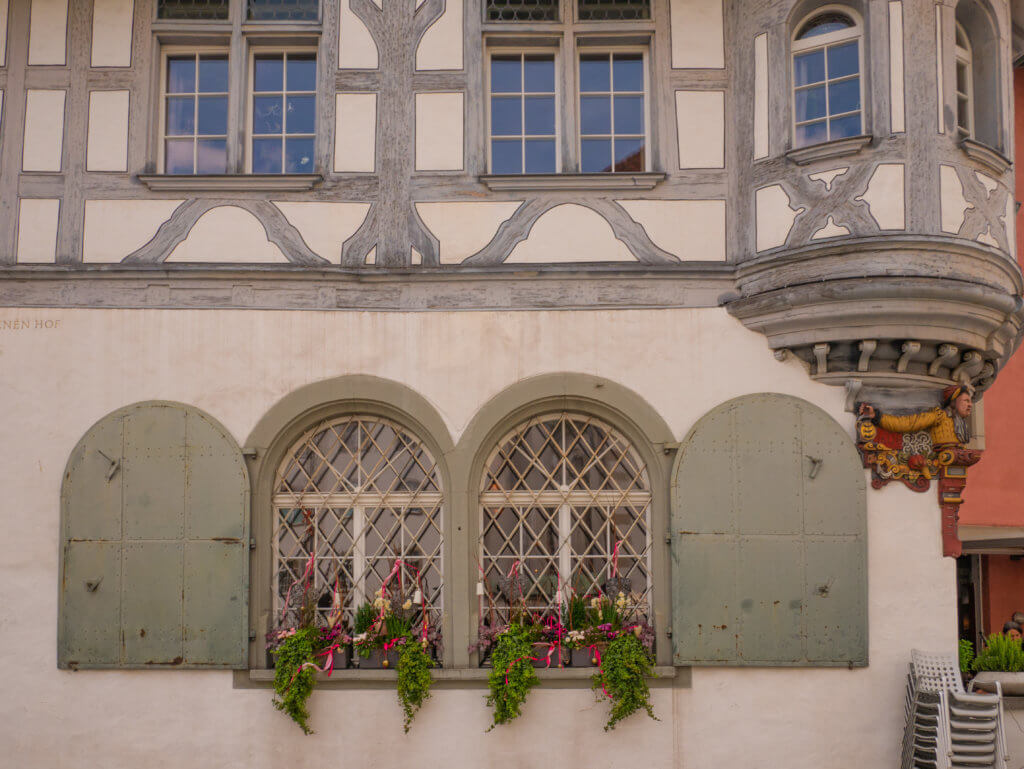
359	638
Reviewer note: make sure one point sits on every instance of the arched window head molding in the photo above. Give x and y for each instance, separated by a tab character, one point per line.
294	416
827	73
979	26
621	409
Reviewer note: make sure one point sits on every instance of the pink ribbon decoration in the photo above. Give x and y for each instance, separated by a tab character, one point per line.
600	670
615	558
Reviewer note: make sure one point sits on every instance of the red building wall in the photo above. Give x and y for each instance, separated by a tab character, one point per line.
995	487
1003	590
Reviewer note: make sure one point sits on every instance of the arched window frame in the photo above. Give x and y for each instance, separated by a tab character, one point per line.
802	46
975	22
964	84
585	547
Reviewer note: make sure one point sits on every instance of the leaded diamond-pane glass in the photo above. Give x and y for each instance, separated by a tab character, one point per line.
522	10
613	10
194	10
284	10
361	493
557	495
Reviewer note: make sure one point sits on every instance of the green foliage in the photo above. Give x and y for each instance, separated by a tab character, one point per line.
1000	653
396	625
625	665
511	659
292	682
365	615
414	678
604	610
575	613
966	655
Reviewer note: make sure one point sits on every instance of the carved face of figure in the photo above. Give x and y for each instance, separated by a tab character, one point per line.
963	405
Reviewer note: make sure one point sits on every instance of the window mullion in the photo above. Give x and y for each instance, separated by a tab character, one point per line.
238	67
567	105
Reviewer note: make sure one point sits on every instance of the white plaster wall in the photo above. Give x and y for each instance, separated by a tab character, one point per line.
44	130
571	233
697	37
115	228
700	128
112	33
227	234
693	230
3	31
439	126
325	226
885	198
107	143
952	202
48	30
774	216
441	45
64	369
356	49
463	228
355	132
37	229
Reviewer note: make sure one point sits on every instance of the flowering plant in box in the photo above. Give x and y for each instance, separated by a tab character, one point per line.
300	642
389	630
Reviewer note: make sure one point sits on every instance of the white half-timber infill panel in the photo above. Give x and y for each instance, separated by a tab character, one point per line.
43	145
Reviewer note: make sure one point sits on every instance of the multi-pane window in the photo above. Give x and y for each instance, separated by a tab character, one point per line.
569	100
255	10
283	113
196	114
359	494
964	85
523	114
564	502
612	112
827	83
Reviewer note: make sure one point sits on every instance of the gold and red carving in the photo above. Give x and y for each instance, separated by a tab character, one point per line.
916	449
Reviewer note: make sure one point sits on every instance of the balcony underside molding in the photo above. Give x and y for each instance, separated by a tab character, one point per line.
899	318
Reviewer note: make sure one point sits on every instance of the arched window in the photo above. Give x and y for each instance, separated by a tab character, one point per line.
977	76
964	85
827	77
565	501
360	492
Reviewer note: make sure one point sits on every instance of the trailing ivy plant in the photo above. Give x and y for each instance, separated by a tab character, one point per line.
1000	653
293	683
625	666
414	678
512	674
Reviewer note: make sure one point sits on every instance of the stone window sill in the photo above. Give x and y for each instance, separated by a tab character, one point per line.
620	181
451	677
991	158
230	182
828	150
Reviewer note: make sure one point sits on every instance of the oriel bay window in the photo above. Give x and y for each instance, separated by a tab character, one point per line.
565	504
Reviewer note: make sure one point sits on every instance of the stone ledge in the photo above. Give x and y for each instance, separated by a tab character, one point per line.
803	156
583	182
230	182
991	158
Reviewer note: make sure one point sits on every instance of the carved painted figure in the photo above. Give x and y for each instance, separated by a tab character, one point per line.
946	426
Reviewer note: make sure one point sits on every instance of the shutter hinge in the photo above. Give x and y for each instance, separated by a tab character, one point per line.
250	452
668	539
252	636
668	633
252	543
668	448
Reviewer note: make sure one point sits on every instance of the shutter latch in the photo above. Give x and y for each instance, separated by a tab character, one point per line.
92	585
815	466
114	465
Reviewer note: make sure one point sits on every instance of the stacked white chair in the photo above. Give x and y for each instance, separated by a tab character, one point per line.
948	727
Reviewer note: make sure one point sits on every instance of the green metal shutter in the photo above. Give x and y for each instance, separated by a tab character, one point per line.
769	538
155	543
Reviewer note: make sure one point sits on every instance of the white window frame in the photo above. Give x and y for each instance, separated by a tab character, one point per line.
856	32
169	52
258	50
644	52
568	48
527	50
964	55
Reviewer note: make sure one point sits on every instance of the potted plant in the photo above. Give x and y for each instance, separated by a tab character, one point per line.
622	675
1000	660
512	672
299	644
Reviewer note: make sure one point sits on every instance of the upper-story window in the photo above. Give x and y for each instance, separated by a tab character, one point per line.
564	100
977	86
255	10
827	77
964	86
256	114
